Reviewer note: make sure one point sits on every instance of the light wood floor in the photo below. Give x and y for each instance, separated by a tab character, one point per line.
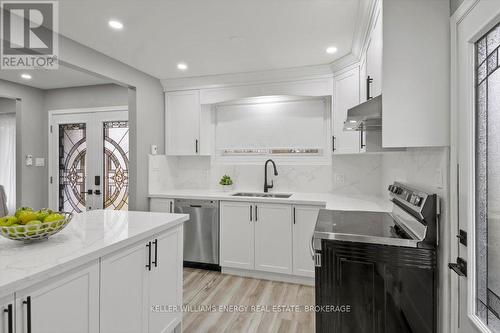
204	288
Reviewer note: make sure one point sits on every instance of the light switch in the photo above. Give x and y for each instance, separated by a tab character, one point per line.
39	161
29	160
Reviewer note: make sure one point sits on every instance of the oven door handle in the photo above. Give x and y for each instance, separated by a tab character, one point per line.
311	247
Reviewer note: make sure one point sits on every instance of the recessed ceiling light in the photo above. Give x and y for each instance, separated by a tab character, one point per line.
331	50
182	66
117	25
26	76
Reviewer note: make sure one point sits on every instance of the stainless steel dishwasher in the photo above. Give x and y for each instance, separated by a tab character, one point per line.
201	232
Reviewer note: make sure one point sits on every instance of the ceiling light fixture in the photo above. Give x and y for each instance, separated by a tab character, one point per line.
182	66
26	76
331	50
117	25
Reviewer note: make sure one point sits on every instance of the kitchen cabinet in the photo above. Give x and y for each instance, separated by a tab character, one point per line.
183	111
374	59
7	318
68	301
145	272
345	96
304	221
273	237
415	70
236	234
161	205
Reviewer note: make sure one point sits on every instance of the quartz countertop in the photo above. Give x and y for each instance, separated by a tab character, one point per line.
332	201
88	236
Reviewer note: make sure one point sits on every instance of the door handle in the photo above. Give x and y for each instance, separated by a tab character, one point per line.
155	262
460	267
28	313
89	192
148	265
9	318
97	192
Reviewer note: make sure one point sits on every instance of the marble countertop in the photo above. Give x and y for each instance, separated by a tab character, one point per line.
330	200
87	237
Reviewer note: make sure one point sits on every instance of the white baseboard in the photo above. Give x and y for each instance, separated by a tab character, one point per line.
308	281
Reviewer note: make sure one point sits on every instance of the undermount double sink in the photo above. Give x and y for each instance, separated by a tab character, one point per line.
262	195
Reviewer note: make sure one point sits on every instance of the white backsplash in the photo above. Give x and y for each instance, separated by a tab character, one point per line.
350	174
364	174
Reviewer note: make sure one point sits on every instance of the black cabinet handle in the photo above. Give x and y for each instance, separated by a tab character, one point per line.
148	266
196	146
251	219
369	81
155	262
9	318
171	207
255	213
333	143
294	215
28	313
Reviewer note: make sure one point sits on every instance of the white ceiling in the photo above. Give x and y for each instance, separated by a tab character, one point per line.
213	36
63	77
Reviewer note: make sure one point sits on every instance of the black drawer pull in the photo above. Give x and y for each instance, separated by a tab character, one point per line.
148	265
155	262
28	313
9	318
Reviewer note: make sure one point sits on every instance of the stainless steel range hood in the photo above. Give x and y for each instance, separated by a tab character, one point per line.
366	116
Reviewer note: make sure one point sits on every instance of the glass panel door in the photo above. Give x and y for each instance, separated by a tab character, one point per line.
72	167
116	157
487	215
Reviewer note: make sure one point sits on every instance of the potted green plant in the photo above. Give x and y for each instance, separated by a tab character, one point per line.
226	182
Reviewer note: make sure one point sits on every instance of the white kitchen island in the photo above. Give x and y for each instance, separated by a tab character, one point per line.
107	271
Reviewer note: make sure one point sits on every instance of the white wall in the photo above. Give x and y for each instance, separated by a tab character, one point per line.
86	97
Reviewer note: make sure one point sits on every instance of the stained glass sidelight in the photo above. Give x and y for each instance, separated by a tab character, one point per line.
487	211
116	158
72	168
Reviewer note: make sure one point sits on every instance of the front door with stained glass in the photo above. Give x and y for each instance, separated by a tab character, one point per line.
89	161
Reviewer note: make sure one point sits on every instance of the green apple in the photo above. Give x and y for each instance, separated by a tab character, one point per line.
33	225
8	221
54	217
22	209
26	216
43	213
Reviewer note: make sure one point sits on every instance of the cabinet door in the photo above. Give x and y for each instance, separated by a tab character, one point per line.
273	238
161	205
71	301
237	235
304	220
7	314
182	122
374	58
346	95
165	281
124	290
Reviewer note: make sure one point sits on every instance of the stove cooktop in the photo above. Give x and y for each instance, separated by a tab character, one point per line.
364	227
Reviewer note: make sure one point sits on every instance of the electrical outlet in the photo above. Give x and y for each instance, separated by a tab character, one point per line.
29	160
39	161
339	178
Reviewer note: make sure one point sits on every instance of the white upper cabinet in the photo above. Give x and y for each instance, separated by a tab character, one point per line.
346	95
183	111
415	69
374	59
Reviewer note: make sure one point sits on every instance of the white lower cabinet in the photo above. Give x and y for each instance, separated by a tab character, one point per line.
267	237
304	220
69	303
161	205
236	234
7	318
273	238
138	283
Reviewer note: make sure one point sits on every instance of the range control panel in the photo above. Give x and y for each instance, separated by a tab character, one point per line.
413	198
